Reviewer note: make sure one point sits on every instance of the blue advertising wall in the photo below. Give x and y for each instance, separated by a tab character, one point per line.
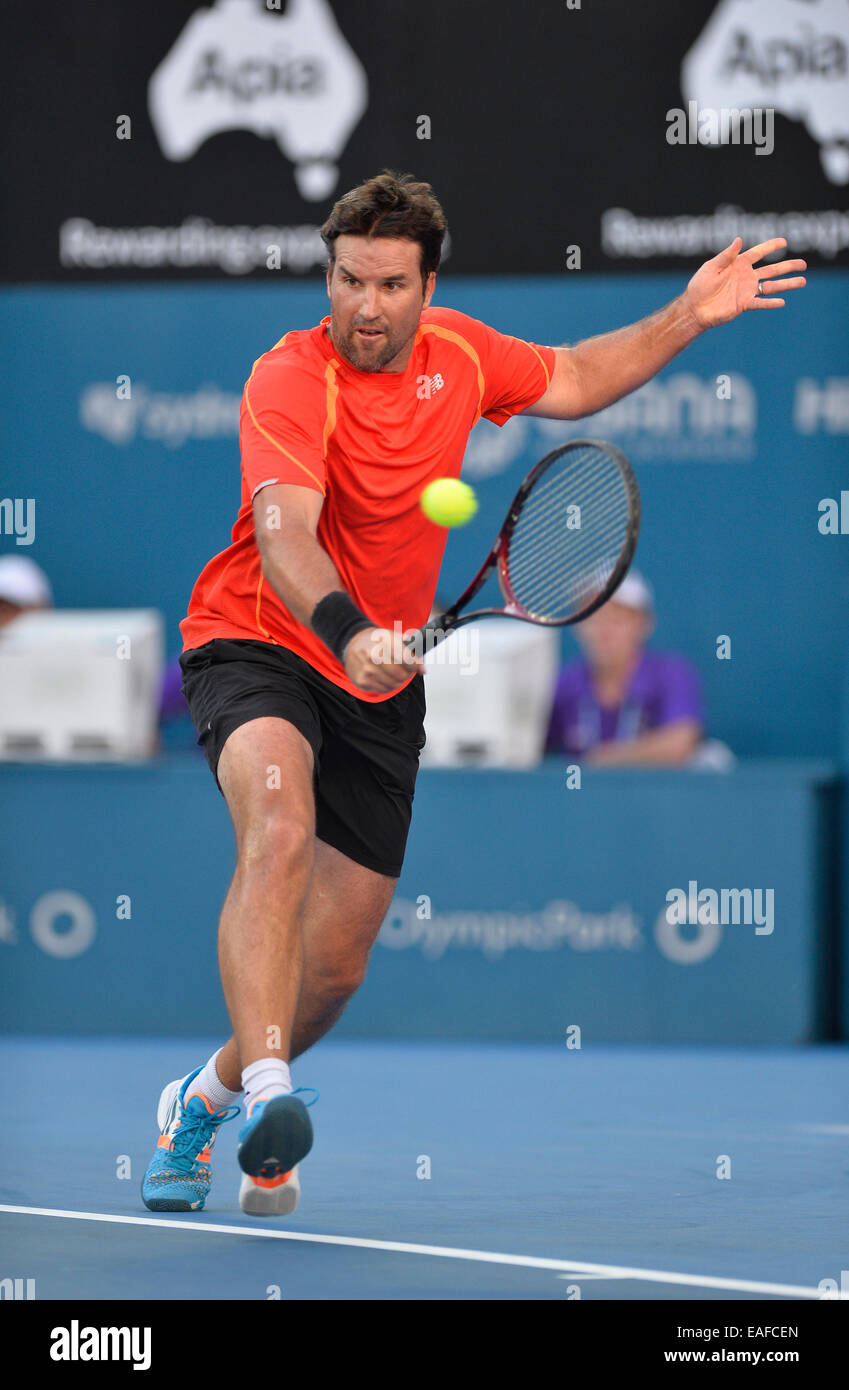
134	496
525	909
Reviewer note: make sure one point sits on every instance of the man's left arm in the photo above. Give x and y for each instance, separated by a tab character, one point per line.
669	746
679	715
601	370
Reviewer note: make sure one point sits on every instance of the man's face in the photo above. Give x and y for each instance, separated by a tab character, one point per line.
613	635
376	298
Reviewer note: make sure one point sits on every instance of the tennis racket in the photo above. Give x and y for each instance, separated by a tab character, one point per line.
565	545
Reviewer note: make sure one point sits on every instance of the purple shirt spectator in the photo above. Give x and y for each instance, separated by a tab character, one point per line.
172	701
663	689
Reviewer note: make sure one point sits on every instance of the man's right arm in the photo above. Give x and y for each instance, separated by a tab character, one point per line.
301	573
297	567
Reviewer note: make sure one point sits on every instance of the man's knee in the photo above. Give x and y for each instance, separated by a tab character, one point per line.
280	842
335	981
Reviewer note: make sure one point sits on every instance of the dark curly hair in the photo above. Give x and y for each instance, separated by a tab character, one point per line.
390	205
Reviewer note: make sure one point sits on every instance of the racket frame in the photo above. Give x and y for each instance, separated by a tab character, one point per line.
499	554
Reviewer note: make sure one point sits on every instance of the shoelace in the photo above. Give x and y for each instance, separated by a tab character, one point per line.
302	1090
194	1134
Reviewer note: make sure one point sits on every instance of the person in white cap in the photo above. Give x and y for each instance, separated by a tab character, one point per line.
623	704
23	587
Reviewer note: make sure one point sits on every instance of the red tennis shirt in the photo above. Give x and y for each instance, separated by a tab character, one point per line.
369	442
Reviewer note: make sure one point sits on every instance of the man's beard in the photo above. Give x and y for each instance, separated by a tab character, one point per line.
360	356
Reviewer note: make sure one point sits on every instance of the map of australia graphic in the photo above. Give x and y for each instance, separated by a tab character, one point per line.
788	55
292	78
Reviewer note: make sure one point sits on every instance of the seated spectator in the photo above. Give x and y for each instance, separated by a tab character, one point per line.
172	701
624	705
24	587
176	730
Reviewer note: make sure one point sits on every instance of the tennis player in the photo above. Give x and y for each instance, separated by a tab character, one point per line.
312	735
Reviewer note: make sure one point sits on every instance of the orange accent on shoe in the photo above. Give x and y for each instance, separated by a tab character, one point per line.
254	1102
164	1142
273	1182
200	1096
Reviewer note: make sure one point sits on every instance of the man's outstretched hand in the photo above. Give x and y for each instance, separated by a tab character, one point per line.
728	285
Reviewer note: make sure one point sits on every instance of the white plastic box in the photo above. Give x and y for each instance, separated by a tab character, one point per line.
81	684
489	688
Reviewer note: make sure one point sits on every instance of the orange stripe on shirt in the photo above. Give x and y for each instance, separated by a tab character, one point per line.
331	394
278	344
270	437
542	364
263	630
466	346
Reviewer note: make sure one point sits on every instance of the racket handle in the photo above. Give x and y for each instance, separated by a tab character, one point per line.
428	636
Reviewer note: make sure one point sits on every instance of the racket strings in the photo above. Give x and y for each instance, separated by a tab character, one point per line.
548	513
547	574
558	559
549	557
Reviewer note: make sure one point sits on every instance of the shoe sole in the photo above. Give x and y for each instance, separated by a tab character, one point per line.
280	1200
170	1204
280	1139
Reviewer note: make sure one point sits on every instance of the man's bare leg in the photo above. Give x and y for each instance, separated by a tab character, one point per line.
345	906
294	939
266	772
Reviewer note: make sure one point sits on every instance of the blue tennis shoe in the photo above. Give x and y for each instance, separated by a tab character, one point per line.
179	1175
278	1134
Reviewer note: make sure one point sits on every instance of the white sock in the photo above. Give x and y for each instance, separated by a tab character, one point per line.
210	1085
266	1078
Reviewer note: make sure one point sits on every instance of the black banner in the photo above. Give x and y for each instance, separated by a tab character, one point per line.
95	1340
148	141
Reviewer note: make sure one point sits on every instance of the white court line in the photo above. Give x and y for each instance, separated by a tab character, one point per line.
652	1276
825	1129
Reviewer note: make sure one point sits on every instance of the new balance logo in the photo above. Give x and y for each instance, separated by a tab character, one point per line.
427	385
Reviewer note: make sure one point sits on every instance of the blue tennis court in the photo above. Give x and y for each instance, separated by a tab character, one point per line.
554	1174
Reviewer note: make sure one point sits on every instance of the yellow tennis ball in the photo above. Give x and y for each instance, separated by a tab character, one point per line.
449	502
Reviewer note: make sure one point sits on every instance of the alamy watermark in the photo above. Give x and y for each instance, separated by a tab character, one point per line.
84	1343
707	125
711	907
17	518
463	650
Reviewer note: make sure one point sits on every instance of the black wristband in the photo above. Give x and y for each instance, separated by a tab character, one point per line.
335	619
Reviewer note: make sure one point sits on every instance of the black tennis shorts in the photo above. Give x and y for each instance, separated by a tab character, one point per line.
366	753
